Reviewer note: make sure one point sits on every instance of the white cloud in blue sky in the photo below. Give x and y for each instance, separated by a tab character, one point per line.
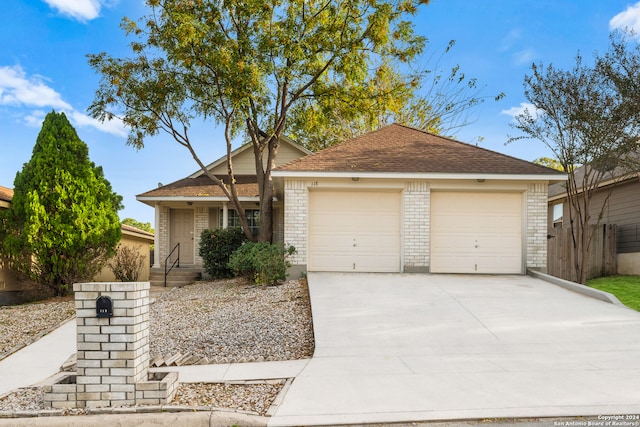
516	111
629	19
21	91
510	39
524	57
113	127
81	10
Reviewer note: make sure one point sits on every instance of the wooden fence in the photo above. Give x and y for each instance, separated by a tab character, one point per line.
602	257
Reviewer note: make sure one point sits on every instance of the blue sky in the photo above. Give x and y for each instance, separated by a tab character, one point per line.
43	66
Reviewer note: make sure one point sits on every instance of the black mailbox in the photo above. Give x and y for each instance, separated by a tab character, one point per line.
104	307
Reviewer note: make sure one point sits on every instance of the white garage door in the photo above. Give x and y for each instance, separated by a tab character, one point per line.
354	231
476	232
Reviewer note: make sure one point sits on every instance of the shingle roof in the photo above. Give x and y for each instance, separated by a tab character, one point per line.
203	186
397	148
136	231
625	172
6	194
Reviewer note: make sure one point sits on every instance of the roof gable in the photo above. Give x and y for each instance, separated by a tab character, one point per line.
198	185
401	149
244	161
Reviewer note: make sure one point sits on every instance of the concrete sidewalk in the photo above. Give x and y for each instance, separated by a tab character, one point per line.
403	348
35	363
236	371
38	361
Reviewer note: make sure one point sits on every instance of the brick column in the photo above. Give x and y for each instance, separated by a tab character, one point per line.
416	200
537	225
296	207
113	353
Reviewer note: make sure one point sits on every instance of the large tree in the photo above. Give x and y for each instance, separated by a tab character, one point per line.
434	99
246	64
584	118
62	225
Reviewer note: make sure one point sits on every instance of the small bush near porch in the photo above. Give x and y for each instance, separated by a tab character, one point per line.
216	246
625	288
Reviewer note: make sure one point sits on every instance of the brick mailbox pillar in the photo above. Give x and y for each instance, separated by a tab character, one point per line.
113	351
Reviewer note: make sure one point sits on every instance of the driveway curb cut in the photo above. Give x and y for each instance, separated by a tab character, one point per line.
576	287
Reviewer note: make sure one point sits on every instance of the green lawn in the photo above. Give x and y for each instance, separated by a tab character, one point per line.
625	288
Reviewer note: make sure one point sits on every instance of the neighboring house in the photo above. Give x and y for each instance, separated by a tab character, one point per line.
623	209
183	209
10	283
6	195
138	240
403	200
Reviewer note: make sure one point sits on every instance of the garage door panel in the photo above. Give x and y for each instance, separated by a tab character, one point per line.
354	231
465	264
476	232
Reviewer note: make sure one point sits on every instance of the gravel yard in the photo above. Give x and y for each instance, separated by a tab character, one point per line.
230	321
22	324
223	321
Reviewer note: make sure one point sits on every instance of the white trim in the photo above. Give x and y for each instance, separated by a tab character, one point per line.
156	236
194	199
419	175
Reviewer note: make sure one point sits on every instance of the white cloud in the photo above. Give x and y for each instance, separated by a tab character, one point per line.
18	89
629	19
21	91
523	57
524	106
114	126
82	10
510	40
35	118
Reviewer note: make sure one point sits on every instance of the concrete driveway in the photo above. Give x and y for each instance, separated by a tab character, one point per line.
393	347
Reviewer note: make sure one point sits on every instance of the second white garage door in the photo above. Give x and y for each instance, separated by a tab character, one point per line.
354	231
476	232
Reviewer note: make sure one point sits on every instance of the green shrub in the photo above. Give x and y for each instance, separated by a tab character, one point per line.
262	262
216	246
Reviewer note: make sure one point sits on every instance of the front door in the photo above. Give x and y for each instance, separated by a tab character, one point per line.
182	232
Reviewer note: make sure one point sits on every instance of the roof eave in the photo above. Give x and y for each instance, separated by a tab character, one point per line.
141	235
421	175
605	183
152	200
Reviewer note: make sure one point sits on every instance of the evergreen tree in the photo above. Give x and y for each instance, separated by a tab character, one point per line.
62	225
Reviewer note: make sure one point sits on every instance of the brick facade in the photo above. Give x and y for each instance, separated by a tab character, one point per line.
203	220
537	226
296	196
113	352
416	202
415	224
163	230
201	224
